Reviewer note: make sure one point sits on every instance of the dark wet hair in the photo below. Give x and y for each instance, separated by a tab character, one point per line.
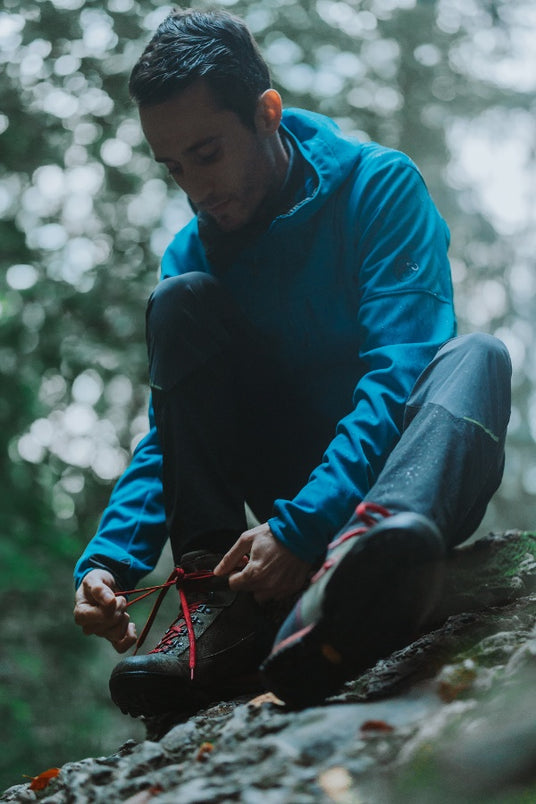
211	45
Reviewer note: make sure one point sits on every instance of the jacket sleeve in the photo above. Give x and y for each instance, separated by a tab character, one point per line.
132	531
405	312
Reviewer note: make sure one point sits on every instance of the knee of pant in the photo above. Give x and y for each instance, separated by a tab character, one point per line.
487	369
470	377
192	295
488	351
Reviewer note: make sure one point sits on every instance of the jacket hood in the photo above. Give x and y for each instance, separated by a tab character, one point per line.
327	150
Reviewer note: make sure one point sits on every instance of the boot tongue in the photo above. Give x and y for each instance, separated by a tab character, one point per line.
198	560
211	590
202	561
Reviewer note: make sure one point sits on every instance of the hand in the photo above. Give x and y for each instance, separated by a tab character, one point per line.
98	611
272	572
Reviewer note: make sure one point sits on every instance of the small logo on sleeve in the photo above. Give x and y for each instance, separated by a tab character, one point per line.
405	268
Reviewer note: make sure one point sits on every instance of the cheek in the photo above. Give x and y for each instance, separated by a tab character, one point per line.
235	174
252	184
219	179
241	176
241	171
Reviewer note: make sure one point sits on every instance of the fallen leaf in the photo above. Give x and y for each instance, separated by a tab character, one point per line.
376	725
266	697
336	783
43	780
203	750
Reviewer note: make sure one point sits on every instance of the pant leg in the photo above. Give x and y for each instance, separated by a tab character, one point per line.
193	344
450	458
233	422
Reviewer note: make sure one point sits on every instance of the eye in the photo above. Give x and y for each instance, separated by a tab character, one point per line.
208	153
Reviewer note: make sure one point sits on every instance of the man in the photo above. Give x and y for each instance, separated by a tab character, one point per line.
302	360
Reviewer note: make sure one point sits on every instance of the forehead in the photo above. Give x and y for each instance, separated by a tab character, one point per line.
179	123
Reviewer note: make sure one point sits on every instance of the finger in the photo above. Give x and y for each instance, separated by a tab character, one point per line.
84	614
121	603
103	595
263	584
93	579
238	582
87	611
127	640
124	644
235	556
119	631
114	630
92	617
248	579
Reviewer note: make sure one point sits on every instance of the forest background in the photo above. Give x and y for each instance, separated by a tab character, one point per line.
85	215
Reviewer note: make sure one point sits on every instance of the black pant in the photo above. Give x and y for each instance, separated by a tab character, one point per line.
234	426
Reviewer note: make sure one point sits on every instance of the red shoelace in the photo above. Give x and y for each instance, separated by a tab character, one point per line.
177	578
367	513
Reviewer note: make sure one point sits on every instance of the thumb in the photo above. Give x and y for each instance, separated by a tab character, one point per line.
106	594
101	590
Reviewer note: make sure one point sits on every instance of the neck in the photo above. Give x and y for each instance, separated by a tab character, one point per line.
280	160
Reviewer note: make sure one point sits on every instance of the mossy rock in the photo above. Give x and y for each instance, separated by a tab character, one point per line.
491	571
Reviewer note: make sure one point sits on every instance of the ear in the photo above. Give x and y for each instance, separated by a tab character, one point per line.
268	112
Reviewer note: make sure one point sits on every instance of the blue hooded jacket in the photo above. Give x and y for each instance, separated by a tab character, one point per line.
356	275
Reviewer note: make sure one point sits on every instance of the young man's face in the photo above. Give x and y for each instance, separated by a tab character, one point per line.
225	168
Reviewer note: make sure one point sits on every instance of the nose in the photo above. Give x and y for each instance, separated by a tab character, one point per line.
197	184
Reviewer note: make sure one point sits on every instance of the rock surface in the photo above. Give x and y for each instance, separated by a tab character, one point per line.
447	719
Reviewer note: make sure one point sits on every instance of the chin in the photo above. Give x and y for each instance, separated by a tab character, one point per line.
232	225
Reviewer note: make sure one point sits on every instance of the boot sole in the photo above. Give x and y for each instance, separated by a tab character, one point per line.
374	603
147	694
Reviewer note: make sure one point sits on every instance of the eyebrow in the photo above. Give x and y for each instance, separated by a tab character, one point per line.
191	149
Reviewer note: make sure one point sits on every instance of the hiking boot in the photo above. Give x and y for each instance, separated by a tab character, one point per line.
377	586
211	651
